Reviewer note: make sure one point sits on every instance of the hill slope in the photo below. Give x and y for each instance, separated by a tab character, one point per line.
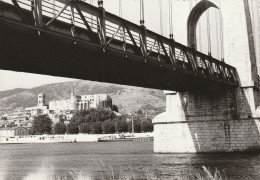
127	98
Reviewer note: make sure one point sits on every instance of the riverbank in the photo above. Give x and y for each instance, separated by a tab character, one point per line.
46	172
66	138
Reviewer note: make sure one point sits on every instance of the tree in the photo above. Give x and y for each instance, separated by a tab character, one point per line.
79	117
92	115
41	124
121	125
114	108
108	126
60	128
140	111
85	128
137	126
62	118
147	125
72	128
96	127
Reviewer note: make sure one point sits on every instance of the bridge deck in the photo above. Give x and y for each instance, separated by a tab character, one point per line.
75	39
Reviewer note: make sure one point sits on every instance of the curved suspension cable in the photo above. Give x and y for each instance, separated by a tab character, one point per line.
161	23
199	34
191	7
208	32
170	19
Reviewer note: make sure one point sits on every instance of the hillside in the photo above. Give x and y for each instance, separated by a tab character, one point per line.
127	98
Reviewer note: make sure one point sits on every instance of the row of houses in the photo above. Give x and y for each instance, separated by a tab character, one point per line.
14	131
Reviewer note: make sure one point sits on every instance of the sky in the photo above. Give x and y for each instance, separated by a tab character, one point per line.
130	11
11	80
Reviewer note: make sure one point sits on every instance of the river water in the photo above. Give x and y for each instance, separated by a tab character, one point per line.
108	159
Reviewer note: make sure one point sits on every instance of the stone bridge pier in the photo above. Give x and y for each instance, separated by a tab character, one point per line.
209	122
222	120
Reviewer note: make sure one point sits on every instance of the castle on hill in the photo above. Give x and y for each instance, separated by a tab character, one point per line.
73	104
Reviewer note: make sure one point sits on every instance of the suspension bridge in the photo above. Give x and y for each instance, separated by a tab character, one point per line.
216	108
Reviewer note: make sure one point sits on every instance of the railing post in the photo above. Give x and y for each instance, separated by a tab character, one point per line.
102	22
195	59
32	9
143	42
172	53
72	18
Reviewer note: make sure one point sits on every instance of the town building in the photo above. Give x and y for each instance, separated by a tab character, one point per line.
83	102
18	115
55	109
15	131
41	107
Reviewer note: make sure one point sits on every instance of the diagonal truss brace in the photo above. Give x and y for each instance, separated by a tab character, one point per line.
18	8
57	15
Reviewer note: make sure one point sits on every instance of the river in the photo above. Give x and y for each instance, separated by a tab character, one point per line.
28	161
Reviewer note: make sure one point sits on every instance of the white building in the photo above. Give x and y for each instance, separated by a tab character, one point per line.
41	107
83	102
15	131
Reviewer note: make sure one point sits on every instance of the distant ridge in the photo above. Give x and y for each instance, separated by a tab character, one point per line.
11	92
127	98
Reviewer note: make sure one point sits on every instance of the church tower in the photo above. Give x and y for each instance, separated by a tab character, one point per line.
41	99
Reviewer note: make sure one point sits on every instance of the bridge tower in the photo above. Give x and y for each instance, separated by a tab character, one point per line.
218	120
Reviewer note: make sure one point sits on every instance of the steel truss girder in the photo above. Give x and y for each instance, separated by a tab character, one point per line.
135	37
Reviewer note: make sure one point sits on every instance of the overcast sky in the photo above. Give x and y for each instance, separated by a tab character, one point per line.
130	11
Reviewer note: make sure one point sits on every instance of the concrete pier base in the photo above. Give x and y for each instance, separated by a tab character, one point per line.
169	135
173	138
175	131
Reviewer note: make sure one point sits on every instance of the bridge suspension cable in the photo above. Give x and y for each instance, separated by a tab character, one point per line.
120	8
161	20
142	12
170	20
221	32
254	30
53	8
91	2
208	32
217	33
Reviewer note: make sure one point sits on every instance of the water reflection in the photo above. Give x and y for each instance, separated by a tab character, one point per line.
25	161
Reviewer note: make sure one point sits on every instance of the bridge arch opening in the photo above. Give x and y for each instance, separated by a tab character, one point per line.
197	27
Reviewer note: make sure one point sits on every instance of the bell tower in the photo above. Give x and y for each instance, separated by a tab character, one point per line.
41	99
